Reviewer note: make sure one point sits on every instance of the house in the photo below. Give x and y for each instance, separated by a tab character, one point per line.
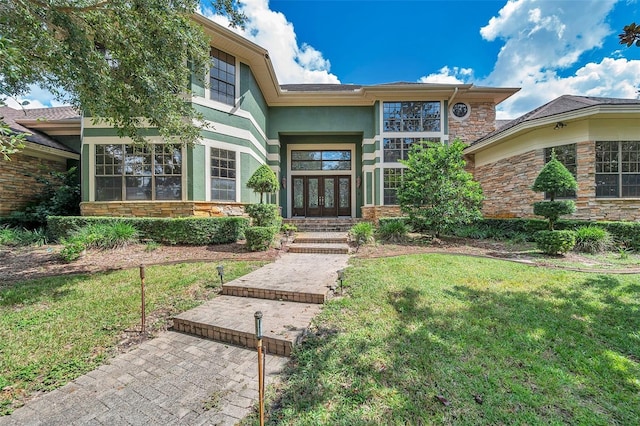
52	144
598	139
334	147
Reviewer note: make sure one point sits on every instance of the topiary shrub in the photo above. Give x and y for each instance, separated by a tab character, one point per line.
264	214
393	231
362	232
259	238
263	180
592	239
552	210
555	242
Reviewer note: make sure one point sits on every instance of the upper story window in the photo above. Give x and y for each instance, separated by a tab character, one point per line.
618	169
411	116
566	154
396	149
133	172
222	77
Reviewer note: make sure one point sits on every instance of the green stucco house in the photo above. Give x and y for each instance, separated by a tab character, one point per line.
334	148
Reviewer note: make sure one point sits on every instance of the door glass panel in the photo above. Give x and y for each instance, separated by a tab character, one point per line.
313	193
298	193
329	193
344	192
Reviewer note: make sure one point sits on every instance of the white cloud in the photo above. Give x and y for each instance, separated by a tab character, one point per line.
271	30
542	39
448	75
36	98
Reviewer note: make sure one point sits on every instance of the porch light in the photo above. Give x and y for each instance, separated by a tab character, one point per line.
220	269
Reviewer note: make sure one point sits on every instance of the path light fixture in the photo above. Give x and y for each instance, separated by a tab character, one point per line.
258	319
220	269
340	278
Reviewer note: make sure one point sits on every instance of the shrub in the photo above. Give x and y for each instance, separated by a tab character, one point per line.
475	232
97	235
592	239
264	214
393	231
362	232
555	242
183	230
553	179
263	180
552	210
22	237
259	238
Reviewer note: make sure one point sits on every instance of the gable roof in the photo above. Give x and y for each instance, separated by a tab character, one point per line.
28	120
555	109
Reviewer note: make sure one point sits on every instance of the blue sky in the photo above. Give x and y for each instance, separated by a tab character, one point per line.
548	48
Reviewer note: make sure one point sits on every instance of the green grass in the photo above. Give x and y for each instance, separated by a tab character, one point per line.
55	329
437	339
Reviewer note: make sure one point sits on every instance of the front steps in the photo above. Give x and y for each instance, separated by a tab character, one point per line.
322	224
320	242
289	292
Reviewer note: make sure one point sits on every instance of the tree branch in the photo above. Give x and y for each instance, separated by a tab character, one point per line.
65	9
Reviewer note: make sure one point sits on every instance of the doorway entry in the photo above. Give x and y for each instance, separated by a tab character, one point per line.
321	196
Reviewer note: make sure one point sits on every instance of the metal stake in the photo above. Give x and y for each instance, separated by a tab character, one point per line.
258	319
143	308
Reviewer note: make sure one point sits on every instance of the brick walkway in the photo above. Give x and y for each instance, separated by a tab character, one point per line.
184	379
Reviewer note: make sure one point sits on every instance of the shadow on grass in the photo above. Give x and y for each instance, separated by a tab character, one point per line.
472	355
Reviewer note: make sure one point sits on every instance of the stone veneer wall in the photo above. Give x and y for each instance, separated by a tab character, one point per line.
374	213
160	209
507	188
481	122
18	188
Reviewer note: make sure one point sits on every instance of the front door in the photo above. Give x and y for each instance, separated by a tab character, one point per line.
321	196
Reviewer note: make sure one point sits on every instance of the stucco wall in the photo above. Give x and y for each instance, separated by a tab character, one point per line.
17	188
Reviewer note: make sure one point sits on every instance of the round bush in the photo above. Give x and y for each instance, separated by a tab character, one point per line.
592	239
555	242
259	238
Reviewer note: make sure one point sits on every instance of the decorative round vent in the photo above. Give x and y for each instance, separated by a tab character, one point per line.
460	109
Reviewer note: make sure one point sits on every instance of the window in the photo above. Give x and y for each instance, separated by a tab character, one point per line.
320	160
411	116
618	169
396	149
222	77
566	154
223	175
138	172
391	182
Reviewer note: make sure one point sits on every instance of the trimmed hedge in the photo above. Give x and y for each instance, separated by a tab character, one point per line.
259	238
183	230
555	242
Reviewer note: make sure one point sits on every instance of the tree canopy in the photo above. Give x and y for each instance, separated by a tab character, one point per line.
126	61
263	180
630	35
436	191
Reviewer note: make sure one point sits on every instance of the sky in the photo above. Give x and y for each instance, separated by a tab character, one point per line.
547	48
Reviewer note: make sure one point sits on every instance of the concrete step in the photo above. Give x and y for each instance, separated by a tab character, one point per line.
321	237
322	224
320	248
231	320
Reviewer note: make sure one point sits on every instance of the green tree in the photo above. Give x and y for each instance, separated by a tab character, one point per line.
126	61
263	180
553	179
436	190
630	35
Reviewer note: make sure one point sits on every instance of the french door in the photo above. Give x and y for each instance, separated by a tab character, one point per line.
321	196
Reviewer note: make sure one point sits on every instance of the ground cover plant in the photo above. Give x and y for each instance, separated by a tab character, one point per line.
442	339
55	329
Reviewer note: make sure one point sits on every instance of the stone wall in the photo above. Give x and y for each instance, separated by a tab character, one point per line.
481	121
374	213
507	188
161	209
17	188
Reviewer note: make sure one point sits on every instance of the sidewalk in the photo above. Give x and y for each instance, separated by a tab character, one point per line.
178	378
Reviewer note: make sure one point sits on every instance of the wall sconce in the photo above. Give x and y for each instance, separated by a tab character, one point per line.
559	125
284	182
358	182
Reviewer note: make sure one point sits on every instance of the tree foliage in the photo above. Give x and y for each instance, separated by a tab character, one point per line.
126	61
630	35
436	190
263	180
553	179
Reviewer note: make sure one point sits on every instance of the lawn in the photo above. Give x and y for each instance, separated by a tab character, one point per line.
440	339
53	330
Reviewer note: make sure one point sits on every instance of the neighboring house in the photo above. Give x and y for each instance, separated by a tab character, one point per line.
335	148
52	144
598	139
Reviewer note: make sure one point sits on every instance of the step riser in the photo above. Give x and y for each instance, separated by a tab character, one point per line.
303	240
322	225
318	250
233	337
287	296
